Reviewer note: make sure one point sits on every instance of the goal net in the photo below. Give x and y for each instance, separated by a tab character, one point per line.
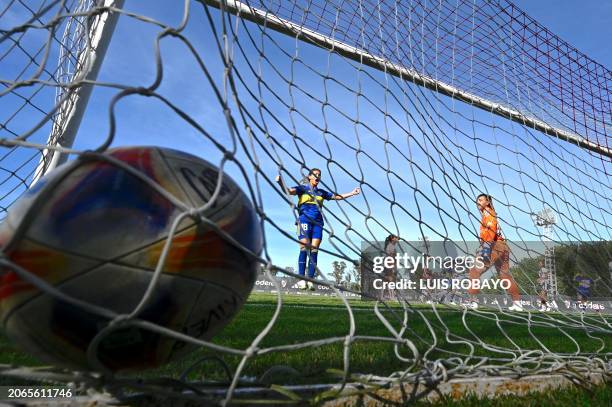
422	105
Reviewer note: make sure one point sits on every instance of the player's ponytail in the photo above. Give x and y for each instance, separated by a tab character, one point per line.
388	240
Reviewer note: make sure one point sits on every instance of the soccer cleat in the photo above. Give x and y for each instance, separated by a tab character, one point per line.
301	284
516	306
311	286
471	305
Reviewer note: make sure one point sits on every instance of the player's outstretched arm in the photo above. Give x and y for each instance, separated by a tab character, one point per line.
339	197
290	191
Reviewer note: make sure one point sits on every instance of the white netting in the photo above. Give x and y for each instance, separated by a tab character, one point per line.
284	87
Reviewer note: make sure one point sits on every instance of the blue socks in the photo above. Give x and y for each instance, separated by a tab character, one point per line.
312	264
302	262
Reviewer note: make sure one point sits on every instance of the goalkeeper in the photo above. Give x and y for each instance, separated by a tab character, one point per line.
493	251
310	223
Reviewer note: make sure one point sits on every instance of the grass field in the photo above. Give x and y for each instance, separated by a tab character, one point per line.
304	319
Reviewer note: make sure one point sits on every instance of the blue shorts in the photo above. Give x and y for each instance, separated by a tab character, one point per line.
309	228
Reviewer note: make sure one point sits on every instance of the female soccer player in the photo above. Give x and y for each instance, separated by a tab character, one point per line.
543	278
390	274
493	251
310	223
583	288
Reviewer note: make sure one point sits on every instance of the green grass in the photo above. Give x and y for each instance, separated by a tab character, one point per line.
312	318
305	319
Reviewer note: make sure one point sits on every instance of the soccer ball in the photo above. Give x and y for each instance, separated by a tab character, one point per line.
95	231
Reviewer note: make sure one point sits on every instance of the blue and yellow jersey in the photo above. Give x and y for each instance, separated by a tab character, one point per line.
584	285
310	200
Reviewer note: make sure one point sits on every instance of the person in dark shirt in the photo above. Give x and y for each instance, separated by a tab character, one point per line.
583	288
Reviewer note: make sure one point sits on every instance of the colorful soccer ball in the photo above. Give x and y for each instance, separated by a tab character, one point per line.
95	232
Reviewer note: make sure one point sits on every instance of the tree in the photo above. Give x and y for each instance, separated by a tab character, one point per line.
290	269
338	271
347	280
356	272
525	274
590	258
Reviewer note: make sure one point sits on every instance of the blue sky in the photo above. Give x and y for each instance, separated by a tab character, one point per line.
440	155
587	24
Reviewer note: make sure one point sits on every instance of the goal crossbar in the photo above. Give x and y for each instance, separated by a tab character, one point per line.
287	27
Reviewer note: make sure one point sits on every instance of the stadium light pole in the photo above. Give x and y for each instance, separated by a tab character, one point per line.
546	220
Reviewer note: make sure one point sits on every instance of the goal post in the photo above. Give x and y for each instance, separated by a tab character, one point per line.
414	113
82	48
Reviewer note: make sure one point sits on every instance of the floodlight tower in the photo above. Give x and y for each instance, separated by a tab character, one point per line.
546	220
